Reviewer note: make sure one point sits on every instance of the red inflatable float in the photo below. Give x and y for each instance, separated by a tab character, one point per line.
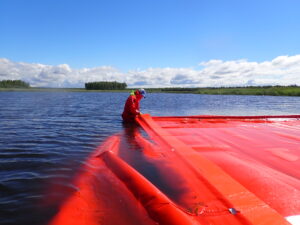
216	170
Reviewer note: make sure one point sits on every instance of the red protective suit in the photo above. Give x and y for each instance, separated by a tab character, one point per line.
132	107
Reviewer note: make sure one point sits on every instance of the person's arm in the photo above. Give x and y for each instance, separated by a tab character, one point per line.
138	107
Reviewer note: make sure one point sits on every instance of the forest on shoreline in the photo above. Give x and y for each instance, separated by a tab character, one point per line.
291	90
13	84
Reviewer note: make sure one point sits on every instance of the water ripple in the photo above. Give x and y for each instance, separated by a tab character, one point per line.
45	137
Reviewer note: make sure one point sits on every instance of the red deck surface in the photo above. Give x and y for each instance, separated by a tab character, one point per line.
192	170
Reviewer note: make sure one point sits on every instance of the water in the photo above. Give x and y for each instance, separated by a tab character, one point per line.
46	136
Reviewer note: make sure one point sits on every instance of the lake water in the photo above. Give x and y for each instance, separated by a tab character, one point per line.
46	136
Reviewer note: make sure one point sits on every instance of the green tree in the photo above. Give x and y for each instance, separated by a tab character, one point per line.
14	84
105	85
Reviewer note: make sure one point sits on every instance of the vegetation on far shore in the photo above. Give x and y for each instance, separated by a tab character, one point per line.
13	84
105	85
292	90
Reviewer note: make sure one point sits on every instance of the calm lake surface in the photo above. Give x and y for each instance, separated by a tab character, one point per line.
46	136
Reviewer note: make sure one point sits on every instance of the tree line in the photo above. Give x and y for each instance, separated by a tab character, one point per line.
171	89
105	85
194	89
14	84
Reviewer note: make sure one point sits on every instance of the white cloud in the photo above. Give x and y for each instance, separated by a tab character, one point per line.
39	75
283	70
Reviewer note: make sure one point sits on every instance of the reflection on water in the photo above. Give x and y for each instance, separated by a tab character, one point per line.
133	151
46	136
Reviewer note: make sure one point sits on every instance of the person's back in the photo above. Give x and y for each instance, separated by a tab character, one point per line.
132	106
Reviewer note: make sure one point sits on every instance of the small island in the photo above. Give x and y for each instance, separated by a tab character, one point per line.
105	85
14	84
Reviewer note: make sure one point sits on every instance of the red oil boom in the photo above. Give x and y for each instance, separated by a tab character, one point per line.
201	170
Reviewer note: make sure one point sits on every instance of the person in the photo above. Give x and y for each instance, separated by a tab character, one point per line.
132	105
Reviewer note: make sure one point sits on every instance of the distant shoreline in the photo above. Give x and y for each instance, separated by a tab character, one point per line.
32	89
266	90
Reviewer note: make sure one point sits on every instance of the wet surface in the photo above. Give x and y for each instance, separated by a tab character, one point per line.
45	137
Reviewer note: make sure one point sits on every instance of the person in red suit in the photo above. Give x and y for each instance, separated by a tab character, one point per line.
132	105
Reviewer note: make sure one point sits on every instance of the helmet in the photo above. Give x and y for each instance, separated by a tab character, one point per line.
141	92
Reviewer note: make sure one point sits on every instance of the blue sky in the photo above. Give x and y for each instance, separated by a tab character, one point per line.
138	35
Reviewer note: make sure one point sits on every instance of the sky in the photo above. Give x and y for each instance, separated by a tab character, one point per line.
150	43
